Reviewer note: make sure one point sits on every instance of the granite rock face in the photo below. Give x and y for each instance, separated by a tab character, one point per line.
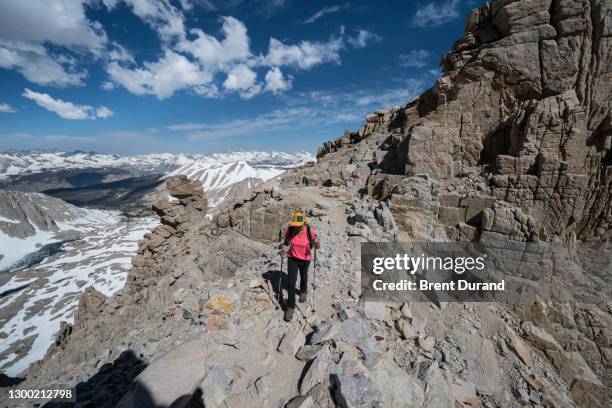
524	103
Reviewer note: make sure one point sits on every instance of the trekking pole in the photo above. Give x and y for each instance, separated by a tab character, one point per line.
280	280
314	278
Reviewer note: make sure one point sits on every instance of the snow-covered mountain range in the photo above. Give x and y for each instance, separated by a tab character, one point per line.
19	163
128	182
223	175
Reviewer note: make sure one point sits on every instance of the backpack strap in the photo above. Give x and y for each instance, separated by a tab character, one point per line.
291	233
310	241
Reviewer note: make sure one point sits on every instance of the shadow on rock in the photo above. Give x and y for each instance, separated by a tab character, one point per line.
105	388
6	381
279	281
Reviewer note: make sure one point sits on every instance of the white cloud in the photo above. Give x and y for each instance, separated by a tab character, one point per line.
66	110
107	86
415	58
118	53
276	82
36	65
162	78
321	13
242	78
436	13
103	112
363	38
6	108
207	90
60	22
305	54
192	61
214	54
27	27
186	5
186	126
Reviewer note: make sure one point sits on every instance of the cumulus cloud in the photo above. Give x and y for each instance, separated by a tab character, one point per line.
322	13
103	112
60	22
197	57
242	78
276	82
6	108
37	66
48	46
363	38
67	110
304	54
436	13
213	53
161	78
27	28
415	58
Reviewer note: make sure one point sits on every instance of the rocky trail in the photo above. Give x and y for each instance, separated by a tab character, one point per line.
233	348
511	147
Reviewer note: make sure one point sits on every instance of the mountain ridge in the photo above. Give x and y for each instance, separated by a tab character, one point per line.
30	162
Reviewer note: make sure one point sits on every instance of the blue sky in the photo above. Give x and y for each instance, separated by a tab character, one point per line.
201	76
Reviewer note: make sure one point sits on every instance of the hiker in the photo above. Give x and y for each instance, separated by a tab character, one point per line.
300	238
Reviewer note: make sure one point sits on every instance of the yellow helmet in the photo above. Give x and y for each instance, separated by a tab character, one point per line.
298	219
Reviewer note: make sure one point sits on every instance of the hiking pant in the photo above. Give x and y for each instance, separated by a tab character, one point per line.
295	265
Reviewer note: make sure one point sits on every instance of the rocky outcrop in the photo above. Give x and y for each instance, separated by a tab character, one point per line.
24	214
524	103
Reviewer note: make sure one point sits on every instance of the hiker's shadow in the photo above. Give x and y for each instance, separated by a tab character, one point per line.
279	281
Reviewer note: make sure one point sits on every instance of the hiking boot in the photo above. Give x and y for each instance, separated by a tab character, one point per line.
303	297
288	315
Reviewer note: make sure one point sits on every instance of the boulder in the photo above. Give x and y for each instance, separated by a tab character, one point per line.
482	365
217	385
308	352
317	373
291	343
405	310
518	347
427	343
385	385
171	380
406	330
438	393
539	337
375	310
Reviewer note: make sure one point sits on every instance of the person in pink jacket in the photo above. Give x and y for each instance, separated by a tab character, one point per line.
300	239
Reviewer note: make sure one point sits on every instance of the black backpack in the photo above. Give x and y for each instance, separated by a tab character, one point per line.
291	233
